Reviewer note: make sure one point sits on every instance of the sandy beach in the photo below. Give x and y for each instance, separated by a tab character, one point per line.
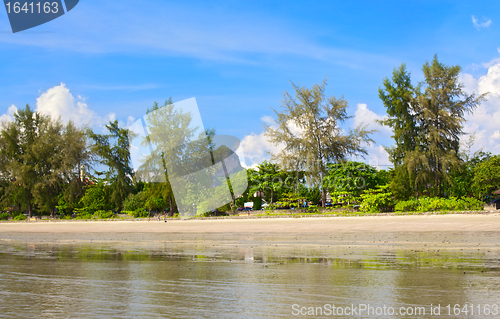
478	232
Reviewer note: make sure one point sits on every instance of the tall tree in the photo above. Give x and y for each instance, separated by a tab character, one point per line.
399	97
113	151
442	112
169	133
309	130
20	156
428	132
39	157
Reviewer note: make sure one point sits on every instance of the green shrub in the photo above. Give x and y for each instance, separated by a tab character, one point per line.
406	206
427	204
136	213
375	199
134	202
469	203
4	216
313	209
15	213
84	215
20	217
103	214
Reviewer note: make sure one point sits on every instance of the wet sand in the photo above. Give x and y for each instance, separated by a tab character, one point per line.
479	233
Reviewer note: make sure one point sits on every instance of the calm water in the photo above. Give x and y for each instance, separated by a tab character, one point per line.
102	281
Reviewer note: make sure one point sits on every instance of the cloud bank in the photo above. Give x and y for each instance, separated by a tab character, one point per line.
484	120
485	24
59	103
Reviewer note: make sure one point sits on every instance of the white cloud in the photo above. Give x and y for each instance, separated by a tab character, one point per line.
377	156
496	135
59	102
364	116
8	117
483	121
484	24
257	146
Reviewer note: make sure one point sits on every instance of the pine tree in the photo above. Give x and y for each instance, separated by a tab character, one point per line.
309	129
113	151
427	125
399	97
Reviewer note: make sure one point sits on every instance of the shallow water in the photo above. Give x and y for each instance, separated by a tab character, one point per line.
106	280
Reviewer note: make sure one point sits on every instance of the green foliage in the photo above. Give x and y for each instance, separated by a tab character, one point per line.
344	198
373	200
113	151
309	128
257	203
310	194
353	177
135	202
155	204
20	217
426	125
137	213
4	216
431	204
313	209
38	156
462	177
63	207
487	176
288	200
103	214
407	206
268	178
96	198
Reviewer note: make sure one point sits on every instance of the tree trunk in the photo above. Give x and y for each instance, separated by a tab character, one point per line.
323	197
323	191
29	206
171	205
436	179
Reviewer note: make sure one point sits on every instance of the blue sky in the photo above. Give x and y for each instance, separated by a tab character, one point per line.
113	59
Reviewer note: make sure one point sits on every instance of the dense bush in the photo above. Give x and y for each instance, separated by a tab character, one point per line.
20	217
431	204
102	214
134	202
406	206
4	216
374	200
136	213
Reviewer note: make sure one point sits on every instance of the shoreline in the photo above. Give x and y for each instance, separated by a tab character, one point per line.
261	216
453	232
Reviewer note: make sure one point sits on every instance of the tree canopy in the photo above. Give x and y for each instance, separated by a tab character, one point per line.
427	125
309	129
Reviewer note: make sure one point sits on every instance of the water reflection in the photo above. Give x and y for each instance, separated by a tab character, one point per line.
103	280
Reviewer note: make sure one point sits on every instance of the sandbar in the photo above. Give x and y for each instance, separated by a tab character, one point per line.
469	232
